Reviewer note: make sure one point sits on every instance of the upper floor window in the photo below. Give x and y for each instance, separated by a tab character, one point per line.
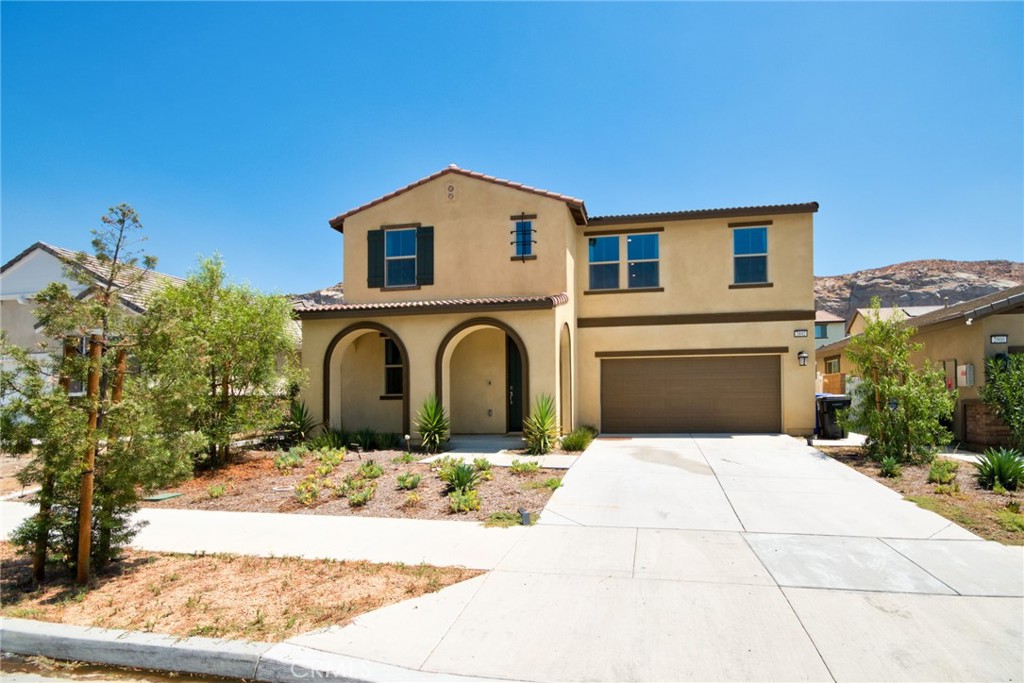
604	262
400	256
750	255
642	255
524	238
820	331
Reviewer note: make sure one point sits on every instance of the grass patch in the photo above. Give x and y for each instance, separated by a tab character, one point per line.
1011	521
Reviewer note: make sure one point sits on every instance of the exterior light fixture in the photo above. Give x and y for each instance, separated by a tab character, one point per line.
970	320
802	358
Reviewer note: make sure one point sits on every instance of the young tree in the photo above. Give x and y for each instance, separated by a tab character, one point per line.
230	345
1003	392
901	408
95	453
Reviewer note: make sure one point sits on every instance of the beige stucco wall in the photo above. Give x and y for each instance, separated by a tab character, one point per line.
422	336
478	382
362	385
472	241
696	269
797	382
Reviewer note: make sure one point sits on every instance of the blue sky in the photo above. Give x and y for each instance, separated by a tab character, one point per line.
241	128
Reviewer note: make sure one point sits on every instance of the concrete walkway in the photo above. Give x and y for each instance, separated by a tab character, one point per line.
694	558
717	558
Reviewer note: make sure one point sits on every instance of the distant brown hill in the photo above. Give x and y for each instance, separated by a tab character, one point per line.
915	283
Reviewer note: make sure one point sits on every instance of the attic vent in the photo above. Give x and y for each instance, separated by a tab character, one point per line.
450	190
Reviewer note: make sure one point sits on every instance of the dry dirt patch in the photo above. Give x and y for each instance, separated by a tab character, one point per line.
10	465
252	483
972	507
228	596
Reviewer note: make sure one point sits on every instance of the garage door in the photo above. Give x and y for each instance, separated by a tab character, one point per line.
666	395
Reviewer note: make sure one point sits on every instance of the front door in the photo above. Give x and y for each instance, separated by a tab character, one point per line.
514	383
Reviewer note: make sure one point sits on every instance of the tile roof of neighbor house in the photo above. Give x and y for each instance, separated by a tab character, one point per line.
579	210
886	313
135	298
974	309
697	214
826	317
342	310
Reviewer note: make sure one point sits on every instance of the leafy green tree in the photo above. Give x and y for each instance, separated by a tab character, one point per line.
1003	392
111	443
900	408
228	350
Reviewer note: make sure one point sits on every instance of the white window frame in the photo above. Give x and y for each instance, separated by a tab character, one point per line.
413	258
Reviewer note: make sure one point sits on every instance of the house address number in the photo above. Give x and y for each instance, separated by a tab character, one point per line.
999	338
799	333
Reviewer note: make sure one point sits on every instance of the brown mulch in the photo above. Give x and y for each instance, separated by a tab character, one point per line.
972	507
224	596
252	483
10	465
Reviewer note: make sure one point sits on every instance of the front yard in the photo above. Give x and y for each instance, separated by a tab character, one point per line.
225	596
963	501
364	484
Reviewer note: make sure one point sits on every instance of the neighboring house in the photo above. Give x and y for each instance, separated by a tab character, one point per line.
32	270
488	293
859	319
828	327
959	339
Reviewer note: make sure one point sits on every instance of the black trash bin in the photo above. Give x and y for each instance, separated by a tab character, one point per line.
828	417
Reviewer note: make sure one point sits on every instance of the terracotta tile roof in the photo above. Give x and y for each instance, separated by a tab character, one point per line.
342	310
134	298
826	317
696	214
575	205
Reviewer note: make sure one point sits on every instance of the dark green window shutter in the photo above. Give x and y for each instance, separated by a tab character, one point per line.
425	255
375	258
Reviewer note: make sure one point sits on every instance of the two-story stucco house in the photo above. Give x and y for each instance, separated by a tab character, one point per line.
488	293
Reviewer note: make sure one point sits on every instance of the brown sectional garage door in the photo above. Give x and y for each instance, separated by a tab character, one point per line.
702	394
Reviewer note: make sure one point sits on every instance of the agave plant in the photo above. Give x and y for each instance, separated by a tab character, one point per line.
432	424
1002	467
541	427
463	477
300	424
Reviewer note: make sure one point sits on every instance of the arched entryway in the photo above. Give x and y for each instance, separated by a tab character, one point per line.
565	378
366	380
482	377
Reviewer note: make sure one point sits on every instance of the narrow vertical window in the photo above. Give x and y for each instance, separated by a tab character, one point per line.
750	255
604	262
393	371
642	256
820	331
400	258
524	238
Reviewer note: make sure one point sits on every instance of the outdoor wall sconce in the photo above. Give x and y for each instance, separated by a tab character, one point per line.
802	358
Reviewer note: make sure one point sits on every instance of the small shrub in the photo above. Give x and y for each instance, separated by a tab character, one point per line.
1013	506
464	500
370	470
331	456
432	424
344	487
404	459
519	467
552	483
998	489
462	477
286	460
307	491
503	519
362	496
890	467
540	428
324	471
483	468
412	499
1009	520
216	491
577	440
365	438
1002	467
444	465
388	441
329	439
590	428
943	471
408	481
299	424
1003	393
947	489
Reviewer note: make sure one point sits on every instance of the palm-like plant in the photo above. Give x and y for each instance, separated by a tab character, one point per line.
541	427
300	423
432	424
1000	467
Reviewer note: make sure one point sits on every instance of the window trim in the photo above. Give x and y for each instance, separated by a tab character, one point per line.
839	365
414	258
630	262
517	243
623	262
617	262
767	282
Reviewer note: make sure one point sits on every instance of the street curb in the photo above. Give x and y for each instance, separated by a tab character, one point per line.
253	661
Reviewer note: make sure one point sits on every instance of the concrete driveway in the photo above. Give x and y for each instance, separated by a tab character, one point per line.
720	558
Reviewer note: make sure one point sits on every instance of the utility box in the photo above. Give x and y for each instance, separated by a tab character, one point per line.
965	375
